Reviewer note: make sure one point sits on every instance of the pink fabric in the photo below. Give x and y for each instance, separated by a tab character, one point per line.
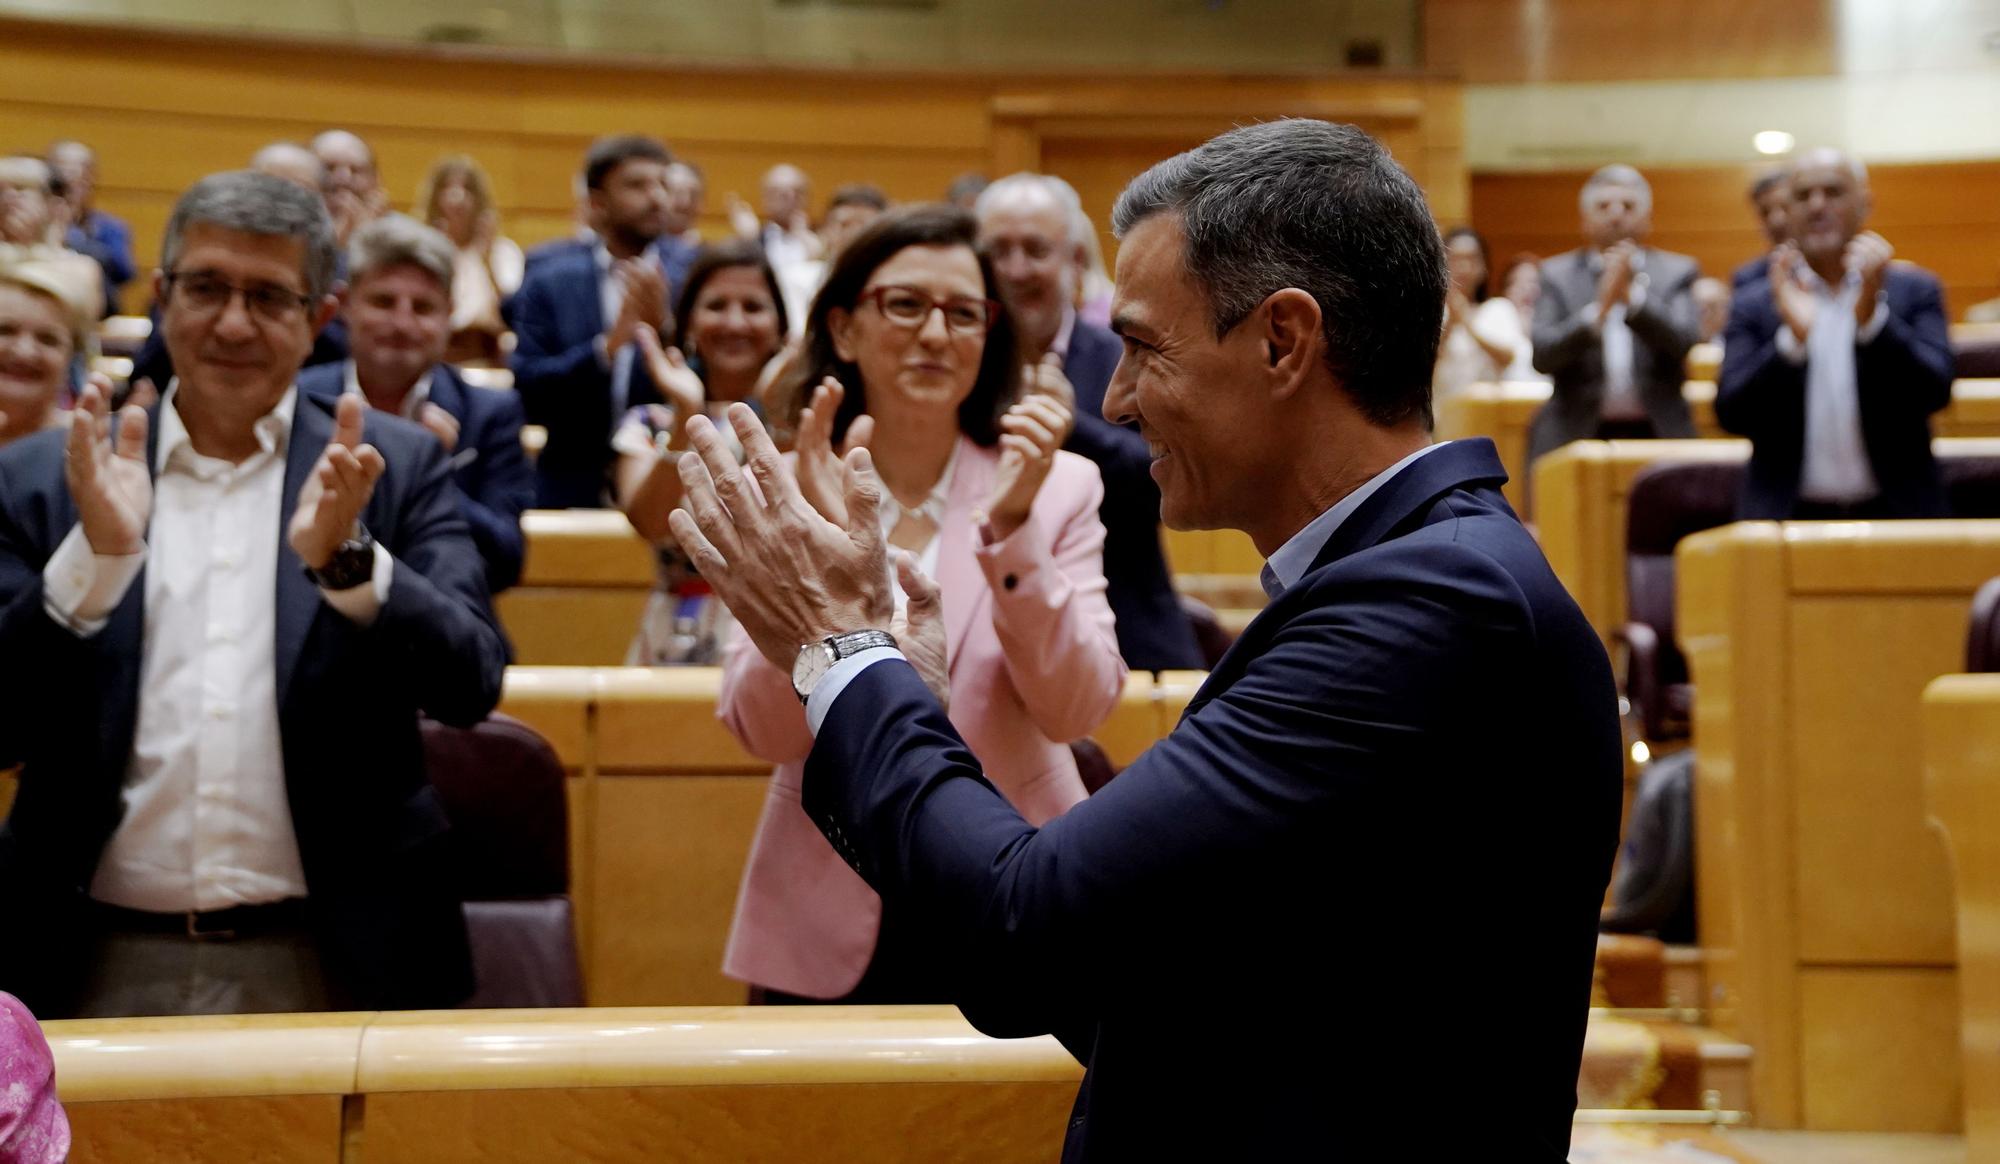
1032	668
33	1129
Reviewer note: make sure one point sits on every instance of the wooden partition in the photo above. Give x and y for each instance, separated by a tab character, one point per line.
1961	759
695	1084
165	108
1580	508
1825	903
663	805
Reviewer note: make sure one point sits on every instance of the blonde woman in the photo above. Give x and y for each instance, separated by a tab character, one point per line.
43	332
457	198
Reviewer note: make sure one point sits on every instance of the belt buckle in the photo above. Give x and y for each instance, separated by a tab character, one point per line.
195	931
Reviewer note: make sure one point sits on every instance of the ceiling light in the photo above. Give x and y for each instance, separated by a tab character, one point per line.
1773	142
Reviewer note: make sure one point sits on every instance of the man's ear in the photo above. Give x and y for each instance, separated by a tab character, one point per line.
1290	322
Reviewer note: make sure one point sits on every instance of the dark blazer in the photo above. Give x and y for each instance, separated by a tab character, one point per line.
371	833
1756	269
495	482
558	315
1412	752
1153	631
1903	377
1569	350
106	238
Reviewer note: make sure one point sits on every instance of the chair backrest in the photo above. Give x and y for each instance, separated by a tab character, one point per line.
1668	501
1971	485
1093	765
1209	633
502	786
1982	636
1976	359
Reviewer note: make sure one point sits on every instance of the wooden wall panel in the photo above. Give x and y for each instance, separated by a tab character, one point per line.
1944	216
164	109
1510	41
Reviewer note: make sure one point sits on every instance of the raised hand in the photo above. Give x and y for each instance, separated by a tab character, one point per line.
645	302
1867	255
1046	379
108	479
440	424
789	575
743	220
337	490
1796	304
1029	437
1614	286
669	369
822	475
919	627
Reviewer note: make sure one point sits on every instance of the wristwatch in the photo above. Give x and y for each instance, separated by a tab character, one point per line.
352	564
816	659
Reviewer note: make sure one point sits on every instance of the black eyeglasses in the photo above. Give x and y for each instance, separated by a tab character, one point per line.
912	307
206	294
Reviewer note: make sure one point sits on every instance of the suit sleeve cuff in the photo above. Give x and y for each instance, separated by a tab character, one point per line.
361	604
80	589
1790	346
836	680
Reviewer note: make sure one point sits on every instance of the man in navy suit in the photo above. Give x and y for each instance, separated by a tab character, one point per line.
398	309
104	237
574	362
1030	224
1834	363
1413	751
221	621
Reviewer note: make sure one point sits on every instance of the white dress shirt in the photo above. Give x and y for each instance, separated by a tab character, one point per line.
1835	468
206	824
1621	385
611	299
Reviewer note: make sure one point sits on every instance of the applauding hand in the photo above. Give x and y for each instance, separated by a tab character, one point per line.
1047	379
1030	433
1795	301
790	576
110	486
821	474
337	490
919	627
669	369
1868	256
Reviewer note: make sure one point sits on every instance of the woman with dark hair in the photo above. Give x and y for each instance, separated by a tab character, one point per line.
1482	336
731	320
1521	285
908	351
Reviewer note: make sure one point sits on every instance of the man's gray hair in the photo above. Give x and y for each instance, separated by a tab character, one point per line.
1622	176
396	240
1322	208
254	203
1027	183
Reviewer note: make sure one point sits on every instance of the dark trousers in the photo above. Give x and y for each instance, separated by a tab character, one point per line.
143	971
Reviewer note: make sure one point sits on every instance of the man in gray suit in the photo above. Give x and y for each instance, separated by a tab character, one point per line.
1614	324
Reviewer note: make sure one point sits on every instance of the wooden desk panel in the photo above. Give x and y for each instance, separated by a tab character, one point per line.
1961	756
281	1129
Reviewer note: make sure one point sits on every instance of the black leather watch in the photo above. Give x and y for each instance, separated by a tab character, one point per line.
352	564
816	659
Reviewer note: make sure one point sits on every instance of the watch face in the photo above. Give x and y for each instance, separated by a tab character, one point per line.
814	660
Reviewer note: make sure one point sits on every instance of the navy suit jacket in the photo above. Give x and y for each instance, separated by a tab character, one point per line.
495	482
1903	377
558	315
371	832
1755	270
1153	630
1412	752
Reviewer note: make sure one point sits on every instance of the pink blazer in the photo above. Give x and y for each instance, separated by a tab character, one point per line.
1034	664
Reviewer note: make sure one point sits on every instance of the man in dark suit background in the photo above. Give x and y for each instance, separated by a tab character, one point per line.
1420	716
574	363
1833	365
1771	198
398	311
1614	324
221	623
1029	224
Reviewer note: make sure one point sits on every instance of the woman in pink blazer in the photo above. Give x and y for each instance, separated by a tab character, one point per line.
982	497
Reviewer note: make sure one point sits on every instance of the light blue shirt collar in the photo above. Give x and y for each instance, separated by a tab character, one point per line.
1296	556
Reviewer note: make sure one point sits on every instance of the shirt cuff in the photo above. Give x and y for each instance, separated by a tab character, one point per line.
1790	346
836	680
602	347
1876	322
360	604
80	588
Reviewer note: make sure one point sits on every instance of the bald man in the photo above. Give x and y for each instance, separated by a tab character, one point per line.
1835	361
354	194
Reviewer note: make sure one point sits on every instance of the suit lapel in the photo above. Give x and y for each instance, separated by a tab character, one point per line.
298	601
964	592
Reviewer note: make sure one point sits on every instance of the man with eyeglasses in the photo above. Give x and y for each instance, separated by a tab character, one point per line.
221	620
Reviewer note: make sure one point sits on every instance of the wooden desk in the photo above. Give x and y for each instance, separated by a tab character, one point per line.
1825	904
